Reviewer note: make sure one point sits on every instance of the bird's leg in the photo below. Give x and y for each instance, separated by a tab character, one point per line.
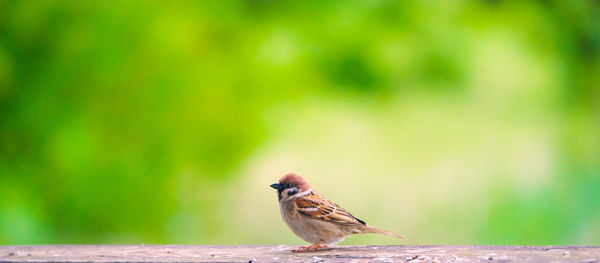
313	247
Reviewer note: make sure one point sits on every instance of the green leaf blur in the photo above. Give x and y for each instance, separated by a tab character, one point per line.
450	122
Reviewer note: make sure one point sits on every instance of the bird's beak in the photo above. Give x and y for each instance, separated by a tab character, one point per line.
277	186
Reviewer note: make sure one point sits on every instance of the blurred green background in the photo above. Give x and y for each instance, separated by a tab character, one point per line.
450	122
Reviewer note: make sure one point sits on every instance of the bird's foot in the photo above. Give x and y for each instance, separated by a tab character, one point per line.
312	248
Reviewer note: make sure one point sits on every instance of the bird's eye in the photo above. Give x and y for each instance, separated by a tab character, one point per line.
293	191
288	185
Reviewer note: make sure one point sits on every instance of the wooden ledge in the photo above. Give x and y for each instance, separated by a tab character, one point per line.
182	253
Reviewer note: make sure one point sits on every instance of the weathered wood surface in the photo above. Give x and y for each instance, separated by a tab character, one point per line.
179	253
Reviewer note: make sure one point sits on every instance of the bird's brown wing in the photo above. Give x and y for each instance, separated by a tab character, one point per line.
317	206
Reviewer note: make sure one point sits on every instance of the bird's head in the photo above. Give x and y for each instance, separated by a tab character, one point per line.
290	184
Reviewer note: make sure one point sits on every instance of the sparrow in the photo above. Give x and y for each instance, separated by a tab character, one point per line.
314	218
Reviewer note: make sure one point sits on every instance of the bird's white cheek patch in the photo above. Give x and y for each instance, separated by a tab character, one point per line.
307	192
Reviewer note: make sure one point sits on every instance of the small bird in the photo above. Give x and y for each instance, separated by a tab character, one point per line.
314	218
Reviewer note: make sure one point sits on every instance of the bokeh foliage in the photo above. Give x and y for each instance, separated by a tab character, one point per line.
144	121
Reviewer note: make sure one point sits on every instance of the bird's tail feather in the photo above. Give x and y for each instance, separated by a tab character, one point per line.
371	229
